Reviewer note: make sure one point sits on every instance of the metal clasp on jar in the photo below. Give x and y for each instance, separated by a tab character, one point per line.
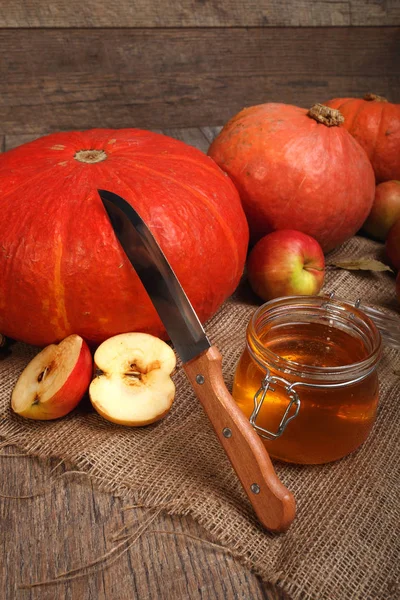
259	398
294	399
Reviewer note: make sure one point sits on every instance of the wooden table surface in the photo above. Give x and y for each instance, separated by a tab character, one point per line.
70	523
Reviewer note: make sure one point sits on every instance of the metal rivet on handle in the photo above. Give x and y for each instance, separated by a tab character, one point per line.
200	379
255	488
226	432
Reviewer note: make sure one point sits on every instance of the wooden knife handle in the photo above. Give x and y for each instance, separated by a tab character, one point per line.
272	502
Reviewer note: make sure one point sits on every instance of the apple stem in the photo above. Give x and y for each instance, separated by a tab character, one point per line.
326	115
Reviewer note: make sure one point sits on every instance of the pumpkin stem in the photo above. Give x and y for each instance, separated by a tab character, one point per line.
375	98
90	156
328	116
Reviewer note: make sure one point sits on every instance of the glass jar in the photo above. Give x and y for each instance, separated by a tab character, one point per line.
307	378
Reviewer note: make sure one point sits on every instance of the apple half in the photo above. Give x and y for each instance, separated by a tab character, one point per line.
133	384
54	381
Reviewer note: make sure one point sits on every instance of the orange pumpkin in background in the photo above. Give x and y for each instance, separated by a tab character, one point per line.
62	268
297	169
375	124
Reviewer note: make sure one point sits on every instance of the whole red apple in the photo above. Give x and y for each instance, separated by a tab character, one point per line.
286	263
385	210
392	245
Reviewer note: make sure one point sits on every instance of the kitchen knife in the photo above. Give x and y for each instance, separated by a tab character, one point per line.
273	504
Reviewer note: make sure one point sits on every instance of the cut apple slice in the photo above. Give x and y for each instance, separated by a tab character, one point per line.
133	386
53	383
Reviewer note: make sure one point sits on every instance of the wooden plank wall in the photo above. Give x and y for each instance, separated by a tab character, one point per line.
73	64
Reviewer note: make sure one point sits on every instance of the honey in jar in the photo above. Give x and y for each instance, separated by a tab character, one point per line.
307	378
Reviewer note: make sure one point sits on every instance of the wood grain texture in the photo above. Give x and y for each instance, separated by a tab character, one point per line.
72	524
195	13
191	135
77	79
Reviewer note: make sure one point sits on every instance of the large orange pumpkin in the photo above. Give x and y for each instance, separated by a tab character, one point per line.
375	124
62	270
297	169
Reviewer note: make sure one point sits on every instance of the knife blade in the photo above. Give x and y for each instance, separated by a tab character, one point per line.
159	280
272	502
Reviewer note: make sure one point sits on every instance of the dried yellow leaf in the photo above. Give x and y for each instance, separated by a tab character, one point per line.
360	264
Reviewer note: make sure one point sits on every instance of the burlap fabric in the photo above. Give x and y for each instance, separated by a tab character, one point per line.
344	542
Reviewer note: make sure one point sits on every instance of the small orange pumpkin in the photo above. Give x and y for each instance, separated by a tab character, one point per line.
375	124
297	169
